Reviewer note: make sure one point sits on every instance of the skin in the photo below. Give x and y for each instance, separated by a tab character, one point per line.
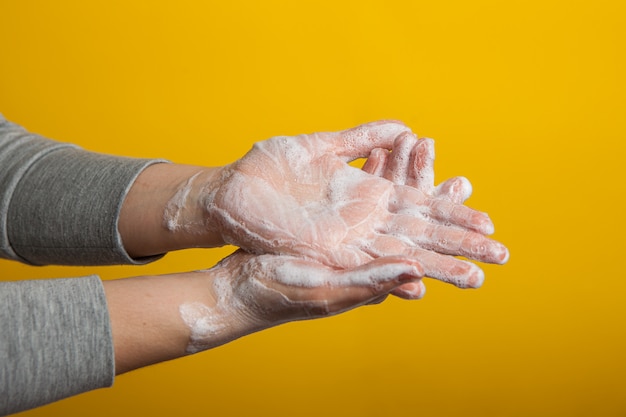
411	162
329	211
242	294
323	253
317	237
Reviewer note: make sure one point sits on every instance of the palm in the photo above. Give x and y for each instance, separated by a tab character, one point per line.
302	203
298	196
278	288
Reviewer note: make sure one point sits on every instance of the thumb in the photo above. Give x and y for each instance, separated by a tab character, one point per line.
358	142
376	162
457	190
350	288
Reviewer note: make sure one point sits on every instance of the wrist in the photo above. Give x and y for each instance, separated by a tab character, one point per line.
185	214
159	318
221	316
163	212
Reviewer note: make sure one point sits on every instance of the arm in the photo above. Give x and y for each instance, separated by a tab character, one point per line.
143	229
62	337
60	204
55	341
164	317
288	195
298	196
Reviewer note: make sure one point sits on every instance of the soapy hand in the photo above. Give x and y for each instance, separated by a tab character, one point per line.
411	162
298	196
254	292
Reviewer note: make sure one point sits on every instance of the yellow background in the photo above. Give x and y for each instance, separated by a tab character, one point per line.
525	98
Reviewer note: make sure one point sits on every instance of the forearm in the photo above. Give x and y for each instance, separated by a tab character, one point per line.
60	204
150	219
159	318
145	322
152	318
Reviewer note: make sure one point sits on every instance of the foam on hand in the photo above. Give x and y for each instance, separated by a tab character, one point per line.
297	196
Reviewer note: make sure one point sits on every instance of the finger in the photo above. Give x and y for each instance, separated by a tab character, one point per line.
457	190
377	162
460	215
398	167
359	141
341	290
374	281
410	291
378	300
411	201
445	268
422	171
448	240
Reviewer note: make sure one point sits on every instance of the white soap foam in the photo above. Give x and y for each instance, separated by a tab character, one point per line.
204	323
173	214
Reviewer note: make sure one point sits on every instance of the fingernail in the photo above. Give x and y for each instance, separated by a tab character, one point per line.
476	278
504	257
487	227
421	290
414	291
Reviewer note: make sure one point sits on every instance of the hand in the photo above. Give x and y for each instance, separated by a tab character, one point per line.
254	292
298	196
163	317
411	162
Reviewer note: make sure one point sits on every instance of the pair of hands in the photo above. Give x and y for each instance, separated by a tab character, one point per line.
319	237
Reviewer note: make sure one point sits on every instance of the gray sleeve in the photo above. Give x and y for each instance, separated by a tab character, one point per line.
55	341
60	204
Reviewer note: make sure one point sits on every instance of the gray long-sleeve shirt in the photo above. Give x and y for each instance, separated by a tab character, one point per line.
58	205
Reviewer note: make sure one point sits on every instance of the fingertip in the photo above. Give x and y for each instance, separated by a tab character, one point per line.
418	268
391	130
504	257
376	162
404	143
476	278
407	134
465	188
411	273
407	267
422	289
407	270
485	225
379	153
428	144
456	190
410	291
385	272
